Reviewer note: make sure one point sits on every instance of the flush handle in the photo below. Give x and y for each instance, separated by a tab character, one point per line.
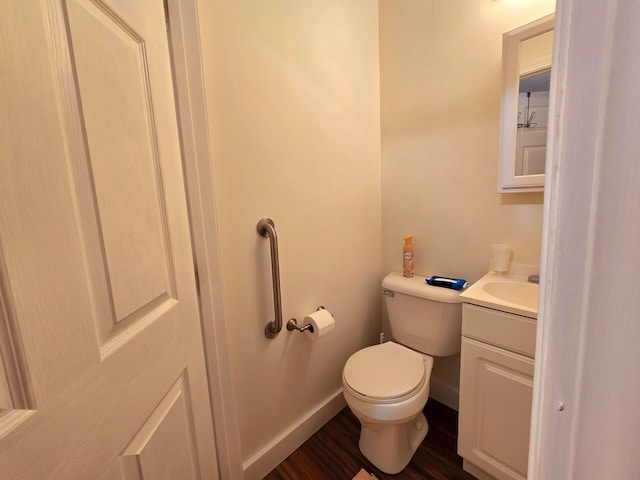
388	293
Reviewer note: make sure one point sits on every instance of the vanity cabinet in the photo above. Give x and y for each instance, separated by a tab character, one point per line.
496	387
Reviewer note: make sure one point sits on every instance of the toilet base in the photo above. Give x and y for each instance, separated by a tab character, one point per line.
391	446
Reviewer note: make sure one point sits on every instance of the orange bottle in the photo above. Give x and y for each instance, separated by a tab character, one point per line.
407	257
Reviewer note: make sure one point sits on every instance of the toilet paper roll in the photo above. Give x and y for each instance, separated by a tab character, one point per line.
323	324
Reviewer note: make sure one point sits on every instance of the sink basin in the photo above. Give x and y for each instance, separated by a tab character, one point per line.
525	294
508	293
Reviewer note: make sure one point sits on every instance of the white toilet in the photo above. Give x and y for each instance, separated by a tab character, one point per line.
387	386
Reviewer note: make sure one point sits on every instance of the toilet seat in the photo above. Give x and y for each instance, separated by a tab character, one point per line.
386	373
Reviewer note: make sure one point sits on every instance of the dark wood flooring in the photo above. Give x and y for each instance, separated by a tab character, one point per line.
333	453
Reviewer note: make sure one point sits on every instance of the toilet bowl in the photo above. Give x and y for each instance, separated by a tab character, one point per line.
386	386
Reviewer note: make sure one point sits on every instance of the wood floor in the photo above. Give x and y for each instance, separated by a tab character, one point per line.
333	454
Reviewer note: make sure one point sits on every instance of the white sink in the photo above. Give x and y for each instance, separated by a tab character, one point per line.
525	294
509	293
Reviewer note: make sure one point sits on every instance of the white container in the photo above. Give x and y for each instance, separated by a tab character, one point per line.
501	257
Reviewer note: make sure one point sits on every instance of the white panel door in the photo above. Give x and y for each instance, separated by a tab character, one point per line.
102	370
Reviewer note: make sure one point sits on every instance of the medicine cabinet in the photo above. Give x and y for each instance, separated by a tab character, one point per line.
526	73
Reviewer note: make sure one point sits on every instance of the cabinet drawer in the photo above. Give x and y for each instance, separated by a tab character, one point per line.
512	332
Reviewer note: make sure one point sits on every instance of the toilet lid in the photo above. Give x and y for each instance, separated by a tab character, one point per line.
384	371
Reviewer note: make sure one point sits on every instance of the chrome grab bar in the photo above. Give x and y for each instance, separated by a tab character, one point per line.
267	228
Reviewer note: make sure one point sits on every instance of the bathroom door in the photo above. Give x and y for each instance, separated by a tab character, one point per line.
102	372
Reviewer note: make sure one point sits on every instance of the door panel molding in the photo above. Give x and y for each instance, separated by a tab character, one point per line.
123	148
15	391
169	426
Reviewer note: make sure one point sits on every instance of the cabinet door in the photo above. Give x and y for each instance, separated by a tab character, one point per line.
496	389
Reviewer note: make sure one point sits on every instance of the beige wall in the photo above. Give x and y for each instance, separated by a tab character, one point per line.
440	64
293	99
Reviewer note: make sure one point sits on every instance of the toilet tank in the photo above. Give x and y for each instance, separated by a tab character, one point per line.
423	317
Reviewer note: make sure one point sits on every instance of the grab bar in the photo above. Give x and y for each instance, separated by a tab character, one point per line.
267	228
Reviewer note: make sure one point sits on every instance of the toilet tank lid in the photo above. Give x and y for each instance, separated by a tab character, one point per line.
417	286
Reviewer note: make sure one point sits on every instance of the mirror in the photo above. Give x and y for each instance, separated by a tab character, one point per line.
526	73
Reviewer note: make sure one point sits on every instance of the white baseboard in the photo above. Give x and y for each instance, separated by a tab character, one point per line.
259	465
445	393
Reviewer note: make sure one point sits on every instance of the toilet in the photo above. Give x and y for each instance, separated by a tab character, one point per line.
386	386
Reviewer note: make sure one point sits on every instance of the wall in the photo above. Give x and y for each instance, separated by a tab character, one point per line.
440	80
293	100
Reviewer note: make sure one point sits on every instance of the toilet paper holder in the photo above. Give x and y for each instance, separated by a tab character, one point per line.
292	324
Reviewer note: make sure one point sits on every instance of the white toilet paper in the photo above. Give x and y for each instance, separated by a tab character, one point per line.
323	324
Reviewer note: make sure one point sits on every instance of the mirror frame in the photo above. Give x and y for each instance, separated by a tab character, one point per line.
508	181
